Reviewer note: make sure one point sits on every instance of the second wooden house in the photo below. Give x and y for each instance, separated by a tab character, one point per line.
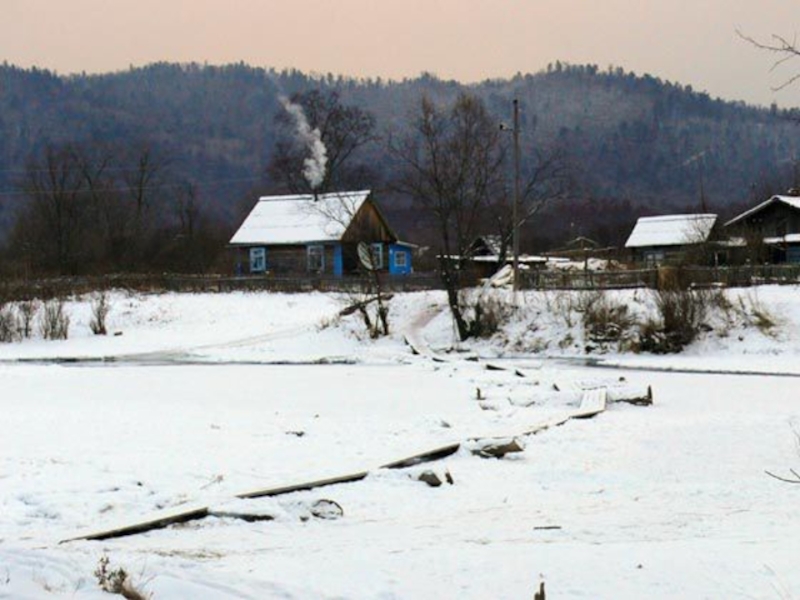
771	229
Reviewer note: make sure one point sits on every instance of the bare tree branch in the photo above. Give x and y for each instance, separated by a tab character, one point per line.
785	50
785	479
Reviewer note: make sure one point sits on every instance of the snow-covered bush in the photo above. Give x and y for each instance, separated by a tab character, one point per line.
607	320
54	322
486	312
100	309
681	316
9	326
26	311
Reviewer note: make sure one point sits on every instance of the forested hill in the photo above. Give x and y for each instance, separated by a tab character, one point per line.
638	140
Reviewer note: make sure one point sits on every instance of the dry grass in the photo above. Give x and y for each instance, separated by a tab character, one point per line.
488	313
117	581
605	320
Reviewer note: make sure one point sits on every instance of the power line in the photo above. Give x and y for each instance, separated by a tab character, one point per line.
63	169
121	189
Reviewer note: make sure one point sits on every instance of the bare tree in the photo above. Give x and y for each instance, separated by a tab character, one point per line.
57	213
143	182
344	130
452	166
192	231
546	177
90	208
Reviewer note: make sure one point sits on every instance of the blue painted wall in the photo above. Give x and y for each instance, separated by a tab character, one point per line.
338	262
402	269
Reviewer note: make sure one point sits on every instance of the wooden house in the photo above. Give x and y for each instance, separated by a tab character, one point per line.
672	239
317	234
771	229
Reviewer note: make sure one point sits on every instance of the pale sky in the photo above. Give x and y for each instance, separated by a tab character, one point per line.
688	41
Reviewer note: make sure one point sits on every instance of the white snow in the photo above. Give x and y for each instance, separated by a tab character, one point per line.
667	501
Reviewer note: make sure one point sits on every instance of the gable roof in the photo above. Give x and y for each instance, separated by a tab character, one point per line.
487	245
793	201
671	230
300	219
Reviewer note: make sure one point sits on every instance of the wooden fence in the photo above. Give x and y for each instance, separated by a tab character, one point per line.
686	277
681	277
19	289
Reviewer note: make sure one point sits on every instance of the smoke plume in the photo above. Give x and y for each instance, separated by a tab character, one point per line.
314	165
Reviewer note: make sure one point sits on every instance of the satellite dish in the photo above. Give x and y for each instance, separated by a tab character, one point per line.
365	256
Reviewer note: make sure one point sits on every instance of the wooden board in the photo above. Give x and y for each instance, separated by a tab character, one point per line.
593	402
423	457
158	523
301	487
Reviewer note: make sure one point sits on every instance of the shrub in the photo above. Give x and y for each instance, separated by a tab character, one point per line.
564	305
117	581
681	316
605	321
488	314
8	323
100	309
754	311
27	310
54	322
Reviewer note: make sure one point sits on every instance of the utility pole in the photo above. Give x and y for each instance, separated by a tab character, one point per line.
515	210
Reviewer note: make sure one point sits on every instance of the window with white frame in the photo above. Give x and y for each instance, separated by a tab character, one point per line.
315	258
258	260
377	255
400	259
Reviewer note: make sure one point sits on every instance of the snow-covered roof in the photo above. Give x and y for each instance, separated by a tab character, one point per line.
789	238
299	219
671	230
793	201
523	258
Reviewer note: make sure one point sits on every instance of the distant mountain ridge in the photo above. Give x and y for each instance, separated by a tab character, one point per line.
636	139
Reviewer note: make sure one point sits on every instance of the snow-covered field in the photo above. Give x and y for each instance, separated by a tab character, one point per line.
199	398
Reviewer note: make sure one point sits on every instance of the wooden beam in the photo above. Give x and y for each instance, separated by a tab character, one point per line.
423	457
145	526
301	487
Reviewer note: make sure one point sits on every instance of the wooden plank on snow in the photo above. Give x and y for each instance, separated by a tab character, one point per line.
301	487
144	526
423	457
593	402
